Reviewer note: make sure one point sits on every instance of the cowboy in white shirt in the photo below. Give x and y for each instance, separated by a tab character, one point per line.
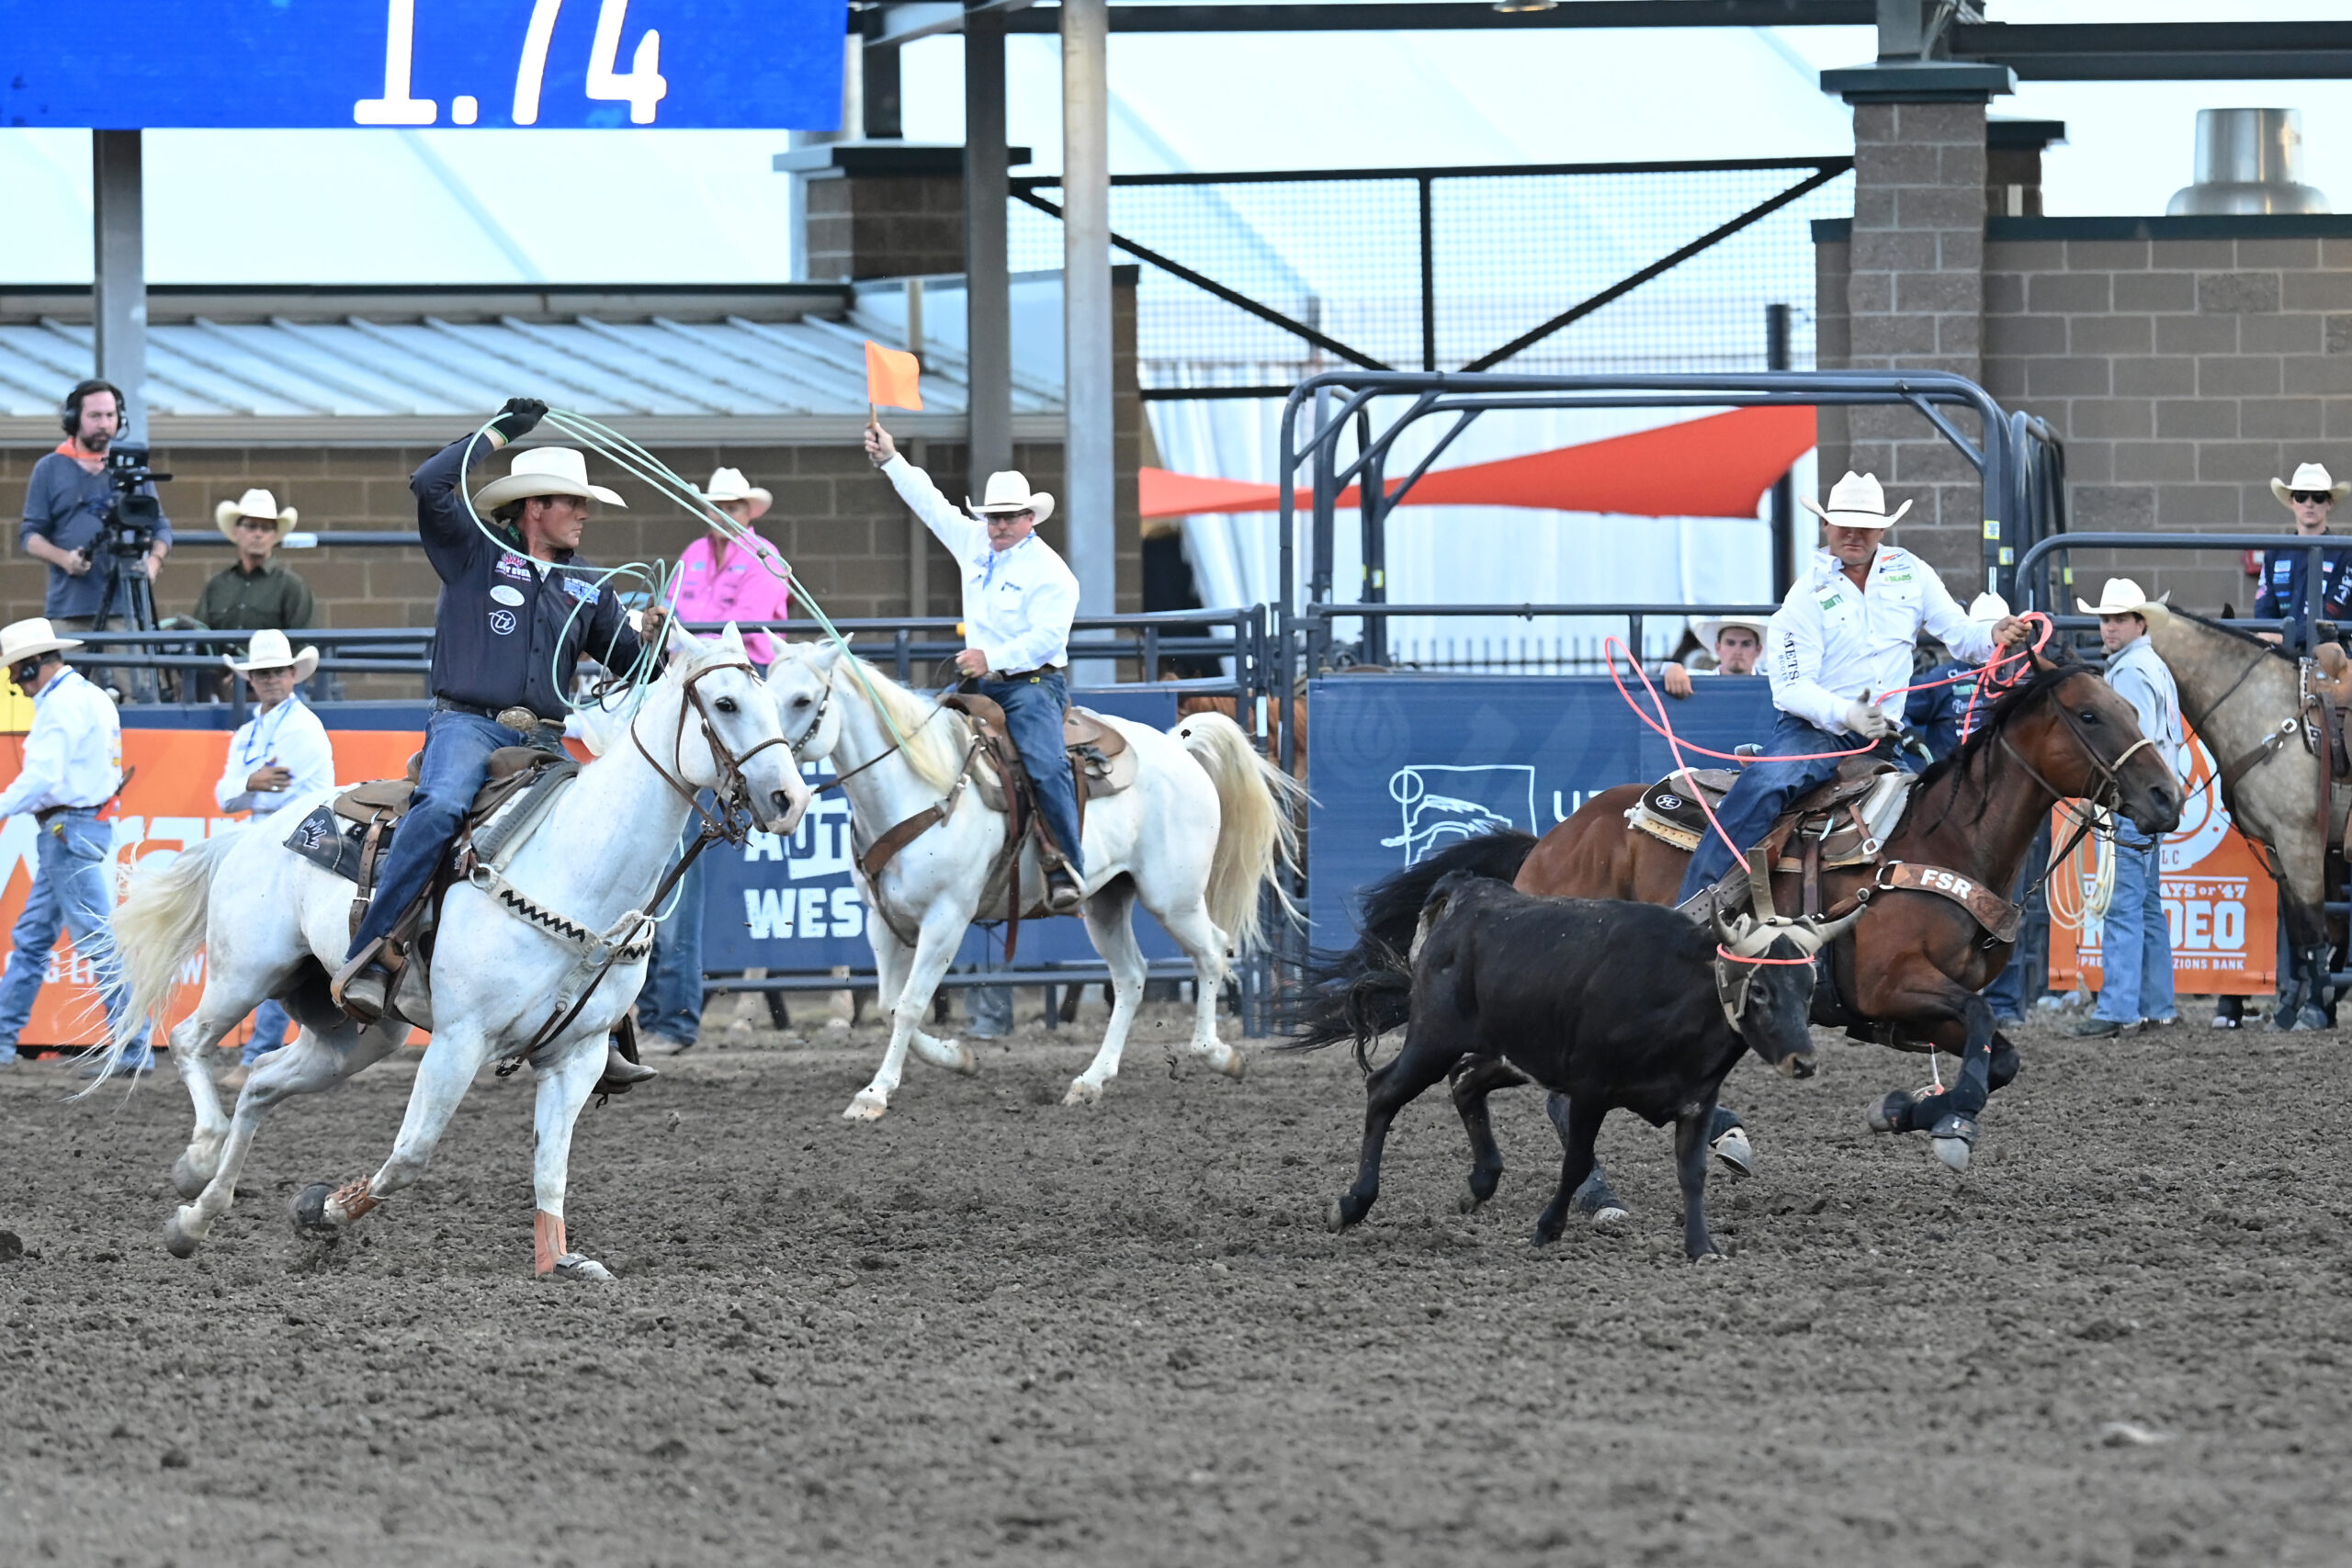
1019	600
73	767
278	756
2136	942
1839	656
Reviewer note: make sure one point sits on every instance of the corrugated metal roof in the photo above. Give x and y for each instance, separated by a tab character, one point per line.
272	376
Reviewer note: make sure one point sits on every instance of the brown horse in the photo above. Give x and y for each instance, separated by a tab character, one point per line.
1910	973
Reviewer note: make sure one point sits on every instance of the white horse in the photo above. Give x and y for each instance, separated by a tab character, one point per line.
274	924
1206	824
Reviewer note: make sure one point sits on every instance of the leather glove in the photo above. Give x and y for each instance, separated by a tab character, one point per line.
519	417
1867	720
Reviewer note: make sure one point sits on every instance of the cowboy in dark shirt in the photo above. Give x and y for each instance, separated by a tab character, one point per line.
515	614
2310	496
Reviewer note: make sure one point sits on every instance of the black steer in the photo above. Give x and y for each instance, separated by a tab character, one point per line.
1617	1006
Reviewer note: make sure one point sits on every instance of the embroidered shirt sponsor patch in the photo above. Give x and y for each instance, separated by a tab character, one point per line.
502	621
579	588
514	566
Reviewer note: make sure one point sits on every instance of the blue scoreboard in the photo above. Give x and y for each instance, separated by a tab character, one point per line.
304	64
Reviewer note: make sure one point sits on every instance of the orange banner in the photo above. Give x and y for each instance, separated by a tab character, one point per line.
2222	905
167	807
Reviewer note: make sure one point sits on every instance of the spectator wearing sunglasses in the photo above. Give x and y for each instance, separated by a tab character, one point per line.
2311	495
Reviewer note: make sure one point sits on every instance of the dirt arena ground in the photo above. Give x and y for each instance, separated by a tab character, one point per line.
993	1330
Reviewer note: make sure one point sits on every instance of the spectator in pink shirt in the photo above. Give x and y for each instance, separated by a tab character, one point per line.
719	579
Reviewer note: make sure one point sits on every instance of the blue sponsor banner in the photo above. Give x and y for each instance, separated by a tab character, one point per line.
1402	766
317	64
789	904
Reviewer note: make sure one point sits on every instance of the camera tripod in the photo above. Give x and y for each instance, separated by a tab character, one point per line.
129	599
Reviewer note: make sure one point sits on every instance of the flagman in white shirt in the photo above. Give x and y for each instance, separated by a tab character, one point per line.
1839	655
1019	600
278	756
73	767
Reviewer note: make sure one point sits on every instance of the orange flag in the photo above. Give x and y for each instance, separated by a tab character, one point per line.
892	377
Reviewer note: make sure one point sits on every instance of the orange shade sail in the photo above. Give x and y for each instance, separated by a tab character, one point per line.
893	377
1716	466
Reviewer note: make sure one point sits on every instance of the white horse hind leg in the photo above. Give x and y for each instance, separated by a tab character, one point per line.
1203	943
934	950
563	1089
891	962
310	1064
1110	920
194	1053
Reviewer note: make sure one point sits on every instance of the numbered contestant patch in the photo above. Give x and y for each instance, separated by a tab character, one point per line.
502	621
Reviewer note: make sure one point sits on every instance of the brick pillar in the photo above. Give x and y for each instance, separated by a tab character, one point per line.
882	209
1915	291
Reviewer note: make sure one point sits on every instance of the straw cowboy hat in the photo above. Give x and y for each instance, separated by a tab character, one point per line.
1988	608
254	503
2309	476
728	484
2121	596
1009	492
1855	501
270	650
1707	629
543	470
23	639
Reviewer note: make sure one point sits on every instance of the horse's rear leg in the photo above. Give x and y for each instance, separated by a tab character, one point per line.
1424	1060
1203	943
935	944
1110	920
1474	1081
563	1089
892	960
311	1063
195	1054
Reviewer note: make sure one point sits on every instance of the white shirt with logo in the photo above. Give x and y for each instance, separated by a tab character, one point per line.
1831	641
74	752
289	736
1018	603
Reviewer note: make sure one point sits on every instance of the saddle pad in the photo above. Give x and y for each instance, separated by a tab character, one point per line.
328	842
1669	813
1880	809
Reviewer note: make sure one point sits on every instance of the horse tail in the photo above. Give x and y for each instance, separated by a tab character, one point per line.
1256	837
1365	991
157	928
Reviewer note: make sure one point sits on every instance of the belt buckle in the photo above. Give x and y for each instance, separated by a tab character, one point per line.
518	718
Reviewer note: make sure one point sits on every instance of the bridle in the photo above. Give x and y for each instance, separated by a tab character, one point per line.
824	706
2110	795
730	790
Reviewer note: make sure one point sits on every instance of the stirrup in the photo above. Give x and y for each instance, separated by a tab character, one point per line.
369	1006
1064	894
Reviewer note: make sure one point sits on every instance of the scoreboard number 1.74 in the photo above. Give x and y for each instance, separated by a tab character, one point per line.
641	87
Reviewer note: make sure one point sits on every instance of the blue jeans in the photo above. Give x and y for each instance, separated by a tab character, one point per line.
456	759
670	1006
1762	792
2135	941
270	1024
73	889
1032	711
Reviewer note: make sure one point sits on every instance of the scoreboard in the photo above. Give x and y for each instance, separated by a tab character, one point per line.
313	64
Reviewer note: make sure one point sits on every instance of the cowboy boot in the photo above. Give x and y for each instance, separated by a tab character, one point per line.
1064	892
361	987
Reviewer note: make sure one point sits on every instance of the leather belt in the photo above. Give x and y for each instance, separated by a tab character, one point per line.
1021	674
518	718
48	814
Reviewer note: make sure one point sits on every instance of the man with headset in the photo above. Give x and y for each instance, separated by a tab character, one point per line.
515	616
72	769
65	502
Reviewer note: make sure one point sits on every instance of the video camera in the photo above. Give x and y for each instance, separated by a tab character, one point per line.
127	530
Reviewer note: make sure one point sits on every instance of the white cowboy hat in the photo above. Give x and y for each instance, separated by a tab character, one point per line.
1855	501
1009	492
270	650
22	639
1988	608
254	503
2121	596
728	484
1707	629
543	470
2309	477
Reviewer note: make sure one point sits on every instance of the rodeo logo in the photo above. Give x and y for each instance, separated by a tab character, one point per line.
1442	805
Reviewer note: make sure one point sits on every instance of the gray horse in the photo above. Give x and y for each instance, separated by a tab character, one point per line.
2245	700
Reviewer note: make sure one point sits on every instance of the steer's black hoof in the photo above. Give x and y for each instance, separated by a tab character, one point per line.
1890	1114
309	1208
1346	1209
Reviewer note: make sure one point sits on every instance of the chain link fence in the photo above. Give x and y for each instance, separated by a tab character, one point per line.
1670	263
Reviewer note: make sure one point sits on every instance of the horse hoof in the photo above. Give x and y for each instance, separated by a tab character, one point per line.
1082	1093
1710	1255
1887	1115
1235	1067
966	1065
1952	1139
868	1107
1737	1155
188	1179
1953	1152
179	1240
310	1209
1607	1215
572	1266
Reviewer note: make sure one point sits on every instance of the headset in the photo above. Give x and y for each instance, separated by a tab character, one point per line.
73	401
25	672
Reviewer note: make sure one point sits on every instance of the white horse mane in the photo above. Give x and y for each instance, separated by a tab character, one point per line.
934	747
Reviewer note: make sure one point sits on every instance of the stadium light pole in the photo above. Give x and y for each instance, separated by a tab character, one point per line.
1090	475
119	302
